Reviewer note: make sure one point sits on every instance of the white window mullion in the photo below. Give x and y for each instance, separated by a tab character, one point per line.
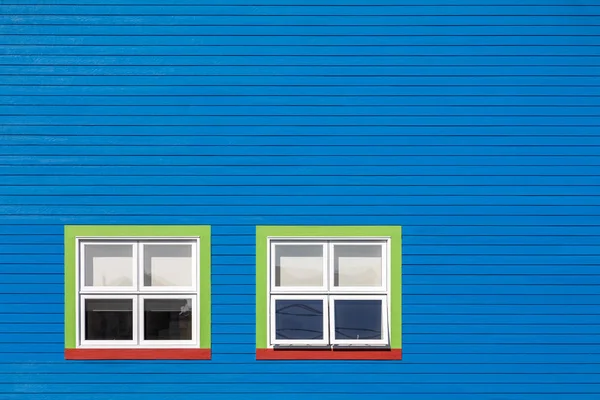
329	266
140	265
326	321
136	320
331	322
139	332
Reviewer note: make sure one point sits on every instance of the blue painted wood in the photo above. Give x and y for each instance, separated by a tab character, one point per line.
472	125
298	396
366	111
333	367
319	200
272	396
293	29
324	9
406	3
299	161
345	378
315	151
102	218
184	55
366	181
264	80
248	20
514	91
301	100
303	39
348	389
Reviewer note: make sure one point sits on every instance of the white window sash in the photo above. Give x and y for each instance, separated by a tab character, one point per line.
170	343
272	316
296	289
169	289
81	268
383	288
108	343
384	321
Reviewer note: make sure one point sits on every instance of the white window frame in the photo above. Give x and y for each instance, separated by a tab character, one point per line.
359	289
168	289
108	343
315	342
137	293
329	292
96	289
168	343
297	289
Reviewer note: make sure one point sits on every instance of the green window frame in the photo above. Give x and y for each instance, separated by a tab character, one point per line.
137	232
263	236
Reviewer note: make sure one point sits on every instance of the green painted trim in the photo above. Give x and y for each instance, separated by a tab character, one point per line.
393	232
80	231
205	288
70	289
396	289
261	288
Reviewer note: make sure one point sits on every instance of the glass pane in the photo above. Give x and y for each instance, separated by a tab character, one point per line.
168	319
108	319
299	319
108	265
358	319
357	265
168	265
298	265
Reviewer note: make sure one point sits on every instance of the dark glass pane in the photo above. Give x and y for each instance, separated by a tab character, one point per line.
168	319
298	319
110	319
358	319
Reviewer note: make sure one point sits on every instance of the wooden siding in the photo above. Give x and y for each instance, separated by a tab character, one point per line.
474	125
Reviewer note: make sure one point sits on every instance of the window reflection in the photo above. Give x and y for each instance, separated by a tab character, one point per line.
358	319
299	319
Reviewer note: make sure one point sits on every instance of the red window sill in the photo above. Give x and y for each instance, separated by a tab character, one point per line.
137	354
328	354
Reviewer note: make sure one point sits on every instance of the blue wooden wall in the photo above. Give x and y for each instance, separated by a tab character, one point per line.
476	127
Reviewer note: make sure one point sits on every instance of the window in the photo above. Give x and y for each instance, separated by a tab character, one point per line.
328	292
137	292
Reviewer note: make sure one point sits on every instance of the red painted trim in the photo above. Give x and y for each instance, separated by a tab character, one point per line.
355	354
137	354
